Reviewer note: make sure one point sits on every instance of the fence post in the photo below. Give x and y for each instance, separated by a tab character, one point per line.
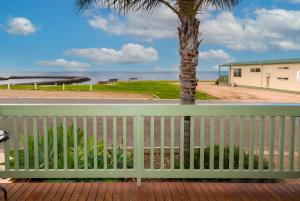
8	86
91	87
63	87
35	86
139	147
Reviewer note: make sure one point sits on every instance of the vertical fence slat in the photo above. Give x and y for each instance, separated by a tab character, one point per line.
152	142
105	142
251	143
172	144
75	143
36	143
162	142
231	146
261	142
271	143
6	145
85	144
192	142
95	143
298	143
124	142
242	143
212	143
115	142
65	143
26	151
16	143
139	146
221	151
46	158
281	142
202	142
181	143
55	142
135	142
292	144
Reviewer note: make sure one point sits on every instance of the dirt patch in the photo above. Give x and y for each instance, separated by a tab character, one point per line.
247	94
70	94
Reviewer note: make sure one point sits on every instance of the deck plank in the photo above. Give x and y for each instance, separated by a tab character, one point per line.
15	188
275	190
117	190
142	193
8	187
250	192
199	192
42	194
60	193
125	191
101	192
270	192
93	192
77	191
85	192
174	193
224	194
19	193
149	191
181	190
166	191
69	191
156	191
51	194
192	195
109	192
35	192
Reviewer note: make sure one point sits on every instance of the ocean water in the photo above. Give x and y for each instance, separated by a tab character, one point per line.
103	76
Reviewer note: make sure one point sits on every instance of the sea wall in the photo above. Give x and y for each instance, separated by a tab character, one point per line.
64	79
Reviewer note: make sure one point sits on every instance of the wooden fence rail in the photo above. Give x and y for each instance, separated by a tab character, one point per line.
147	141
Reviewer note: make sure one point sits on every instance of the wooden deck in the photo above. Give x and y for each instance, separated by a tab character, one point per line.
156	191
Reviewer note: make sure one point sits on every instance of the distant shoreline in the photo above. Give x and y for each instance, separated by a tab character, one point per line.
64	79
104	76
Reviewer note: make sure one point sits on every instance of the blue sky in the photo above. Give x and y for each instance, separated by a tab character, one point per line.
51	35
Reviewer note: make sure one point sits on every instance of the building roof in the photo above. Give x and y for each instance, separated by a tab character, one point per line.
276	61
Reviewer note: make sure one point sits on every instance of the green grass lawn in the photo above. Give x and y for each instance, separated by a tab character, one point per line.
161	89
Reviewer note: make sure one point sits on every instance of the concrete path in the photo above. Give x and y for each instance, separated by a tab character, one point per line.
248	94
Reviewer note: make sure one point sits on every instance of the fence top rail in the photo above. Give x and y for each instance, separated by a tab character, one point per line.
149	110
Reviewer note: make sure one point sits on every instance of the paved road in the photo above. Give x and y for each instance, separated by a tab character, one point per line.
116	101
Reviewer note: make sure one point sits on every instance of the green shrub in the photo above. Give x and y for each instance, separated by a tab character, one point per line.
226	159
222	78
70	152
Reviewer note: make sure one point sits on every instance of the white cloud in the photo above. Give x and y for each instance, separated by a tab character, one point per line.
264	30
70	65
276	28
130	53
294	1
215	55
159	24
20	26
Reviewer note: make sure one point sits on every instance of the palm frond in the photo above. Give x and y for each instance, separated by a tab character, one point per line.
221	4
119	5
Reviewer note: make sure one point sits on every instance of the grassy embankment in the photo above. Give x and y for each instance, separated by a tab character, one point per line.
161	89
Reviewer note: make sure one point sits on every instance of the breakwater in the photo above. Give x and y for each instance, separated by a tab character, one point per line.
60	79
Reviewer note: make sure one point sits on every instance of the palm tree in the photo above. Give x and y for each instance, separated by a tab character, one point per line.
188	12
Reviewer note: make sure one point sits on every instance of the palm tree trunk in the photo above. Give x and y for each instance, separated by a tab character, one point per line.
189	44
